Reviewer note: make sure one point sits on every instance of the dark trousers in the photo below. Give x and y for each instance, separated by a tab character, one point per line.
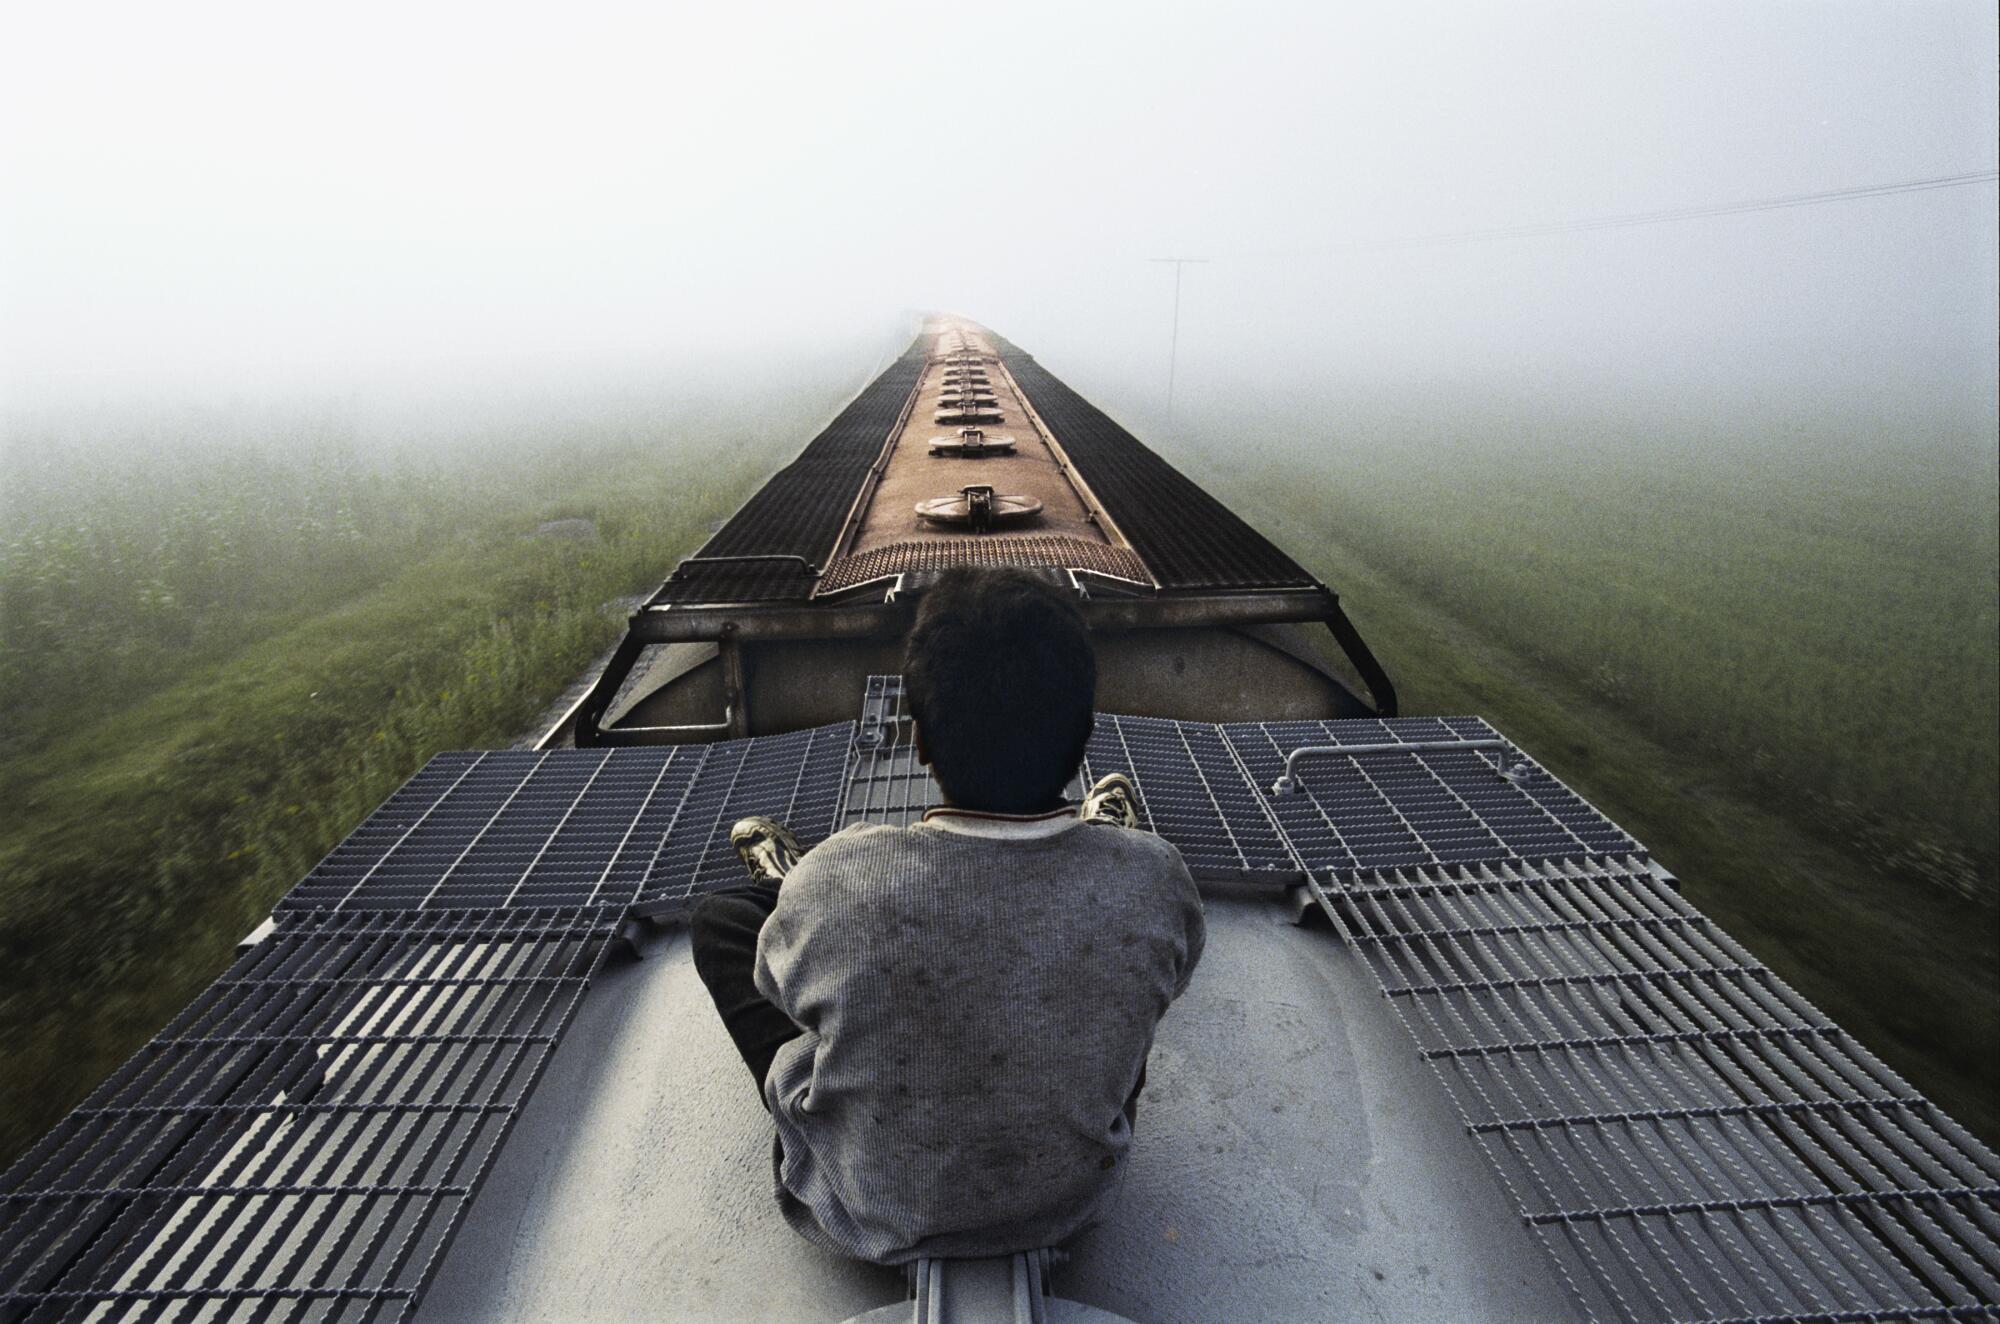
723	933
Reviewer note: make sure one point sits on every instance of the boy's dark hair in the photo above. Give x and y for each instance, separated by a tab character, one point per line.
1001	678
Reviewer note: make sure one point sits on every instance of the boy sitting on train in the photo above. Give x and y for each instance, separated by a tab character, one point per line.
949	1022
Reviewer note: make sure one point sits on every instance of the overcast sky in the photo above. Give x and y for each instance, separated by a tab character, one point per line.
202	197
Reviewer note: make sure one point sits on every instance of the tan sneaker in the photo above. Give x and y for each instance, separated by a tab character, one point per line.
767	847
1112	800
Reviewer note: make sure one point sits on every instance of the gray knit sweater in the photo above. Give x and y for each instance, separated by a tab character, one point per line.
976	1015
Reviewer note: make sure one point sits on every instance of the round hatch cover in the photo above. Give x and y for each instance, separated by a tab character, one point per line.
979	508
973	442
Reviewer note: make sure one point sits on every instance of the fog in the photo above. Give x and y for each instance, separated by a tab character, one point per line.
1629	366
448	206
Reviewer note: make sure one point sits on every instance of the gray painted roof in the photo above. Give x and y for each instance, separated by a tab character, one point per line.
1293	1161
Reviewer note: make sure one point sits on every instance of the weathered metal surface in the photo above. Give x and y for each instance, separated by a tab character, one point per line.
878	471
929	556
1293	1161
308	1134
971	444
1685	1136
1187	537
979	509
799	513
911	471
802	511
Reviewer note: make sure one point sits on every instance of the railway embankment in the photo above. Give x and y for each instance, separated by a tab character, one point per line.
1787	693
215	663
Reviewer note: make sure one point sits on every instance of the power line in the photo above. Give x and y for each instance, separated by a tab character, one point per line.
1174	347
1658	217
1661	216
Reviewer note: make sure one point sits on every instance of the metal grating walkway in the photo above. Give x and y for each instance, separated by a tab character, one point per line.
576	827
771	549
795	777
509	828
1187	538
884	783
1379	810
305	1137
1688	1138
1034	549
1193	792
1205	788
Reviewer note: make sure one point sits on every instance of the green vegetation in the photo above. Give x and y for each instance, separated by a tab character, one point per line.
215	659
1779	673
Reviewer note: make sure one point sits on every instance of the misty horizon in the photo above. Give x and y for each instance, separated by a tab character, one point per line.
227	203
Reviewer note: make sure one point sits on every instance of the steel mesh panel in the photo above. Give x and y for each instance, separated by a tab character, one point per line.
1688	1138
780	579
1032	550
523	828
795	778
1187	537
799	512
885	784
304	1138
1201	786
889	786
1192	791
1377	811
509	828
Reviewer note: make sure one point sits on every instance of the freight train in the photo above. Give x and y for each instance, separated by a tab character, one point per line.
1459	1048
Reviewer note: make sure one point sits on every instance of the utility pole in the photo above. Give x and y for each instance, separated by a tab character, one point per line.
1174	346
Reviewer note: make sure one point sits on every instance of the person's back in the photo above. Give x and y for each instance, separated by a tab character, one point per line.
978	1013
950	1021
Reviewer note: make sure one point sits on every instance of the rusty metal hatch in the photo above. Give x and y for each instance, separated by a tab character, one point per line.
1034	550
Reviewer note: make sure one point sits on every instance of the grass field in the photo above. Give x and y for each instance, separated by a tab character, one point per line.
1820	619
215	659
1778	669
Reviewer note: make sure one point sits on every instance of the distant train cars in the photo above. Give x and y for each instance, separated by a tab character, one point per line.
1507	1072
966	451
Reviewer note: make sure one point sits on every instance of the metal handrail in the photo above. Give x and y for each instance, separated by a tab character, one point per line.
1288	784
804	564
685	728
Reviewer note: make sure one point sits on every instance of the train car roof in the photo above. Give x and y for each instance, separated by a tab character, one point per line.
1507	1071
788	535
